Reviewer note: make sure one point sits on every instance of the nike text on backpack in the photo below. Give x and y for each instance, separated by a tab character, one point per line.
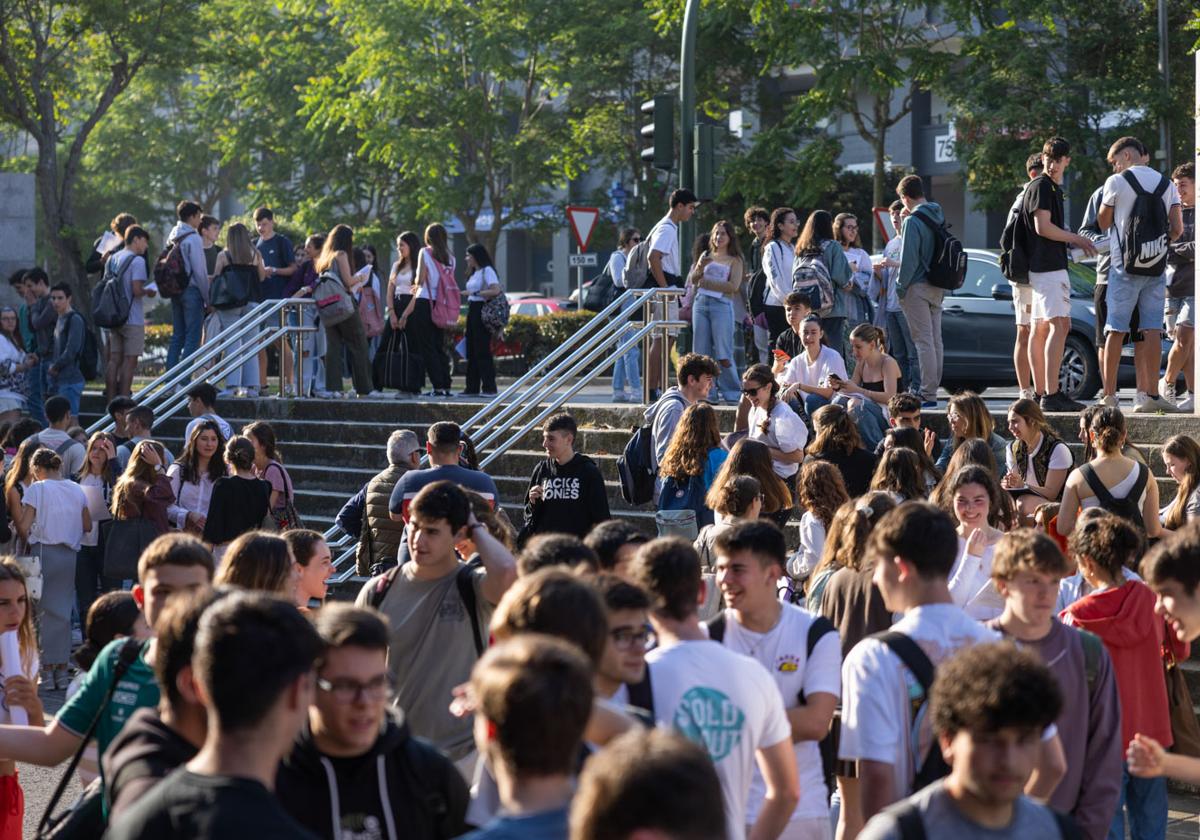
1131	506
449	300
1146	232
948	267
636	467
810	275
171	269
111	305
466	593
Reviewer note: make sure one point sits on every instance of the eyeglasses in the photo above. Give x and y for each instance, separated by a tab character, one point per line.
349	691
624	639
750	392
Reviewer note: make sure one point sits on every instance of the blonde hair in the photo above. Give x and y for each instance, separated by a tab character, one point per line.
26	635
238	244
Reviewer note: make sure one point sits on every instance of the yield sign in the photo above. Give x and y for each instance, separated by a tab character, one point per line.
583	223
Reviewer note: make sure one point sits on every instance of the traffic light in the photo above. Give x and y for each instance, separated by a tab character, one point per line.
658	136
704	154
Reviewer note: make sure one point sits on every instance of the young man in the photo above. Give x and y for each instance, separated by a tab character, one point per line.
989	707
254	671
434	641
1023	293
1181	300
624	660
385	781
42	320
187	310
126	343
280	261
755	285
1127	290
696	375
139	422
921	302
1049	283
666	270
64	377
545	550
904	412
725	701
566	491
172	563
808	373
1026	571
210	231
900	342
117	408
796	307
615	542
533	698
648	785
58	413
444	447
202	405
801	651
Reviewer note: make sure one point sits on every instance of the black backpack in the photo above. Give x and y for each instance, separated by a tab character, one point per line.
948	267
1146	232
466	592
933	766
89	351
1014	247
602	292
171	269
635	467
1129	507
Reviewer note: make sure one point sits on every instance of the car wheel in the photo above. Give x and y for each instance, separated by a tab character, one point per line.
1079	375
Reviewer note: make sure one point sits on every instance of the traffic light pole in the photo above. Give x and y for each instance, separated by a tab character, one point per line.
687	122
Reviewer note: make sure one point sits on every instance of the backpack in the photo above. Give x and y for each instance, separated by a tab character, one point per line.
819	629
89	351
637	266
1144	237
369	312
449	300
636	468
911	827
110	308
948	266
758	285
1129	507
932	766
686	495
171	269
810	275
602	292
233	287
1014	248
466	592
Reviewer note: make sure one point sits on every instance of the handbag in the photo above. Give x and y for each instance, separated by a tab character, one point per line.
494	314
124	542
233	287
1185	729
395	367
333	300
286	518
31	568
677	523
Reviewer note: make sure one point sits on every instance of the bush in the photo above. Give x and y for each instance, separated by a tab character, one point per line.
539	336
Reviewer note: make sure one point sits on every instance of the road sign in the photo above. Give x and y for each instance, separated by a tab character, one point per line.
587	260
583	223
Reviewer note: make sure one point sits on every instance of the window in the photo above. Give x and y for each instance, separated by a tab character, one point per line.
982	276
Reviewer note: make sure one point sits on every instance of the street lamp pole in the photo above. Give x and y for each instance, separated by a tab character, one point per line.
1164	71
687	117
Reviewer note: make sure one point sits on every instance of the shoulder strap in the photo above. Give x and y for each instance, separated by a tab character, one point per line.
62	448
716	628
1139	484
287	484
466	591
1093	649
1132	180
908	821
1093	481
642	694
819	629
925	220
911	655
1068	829
382	584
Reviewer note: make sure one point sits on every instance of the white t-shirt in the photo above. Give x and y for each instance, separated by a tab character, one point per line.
1060	458
971	584
59	519
812	543
814	374
778	257
432	275
664	238
131	267
222	424
403	282
785	431
479	280
891	251
616	265
725	702
877	687
783	651
70	450
1120	196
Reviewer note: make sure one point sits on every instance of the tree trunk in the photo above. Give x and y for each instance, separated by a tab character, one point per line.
58	216
880	175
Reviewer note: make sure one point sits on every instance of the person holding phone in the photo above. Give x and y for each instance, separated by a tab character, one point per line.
811	375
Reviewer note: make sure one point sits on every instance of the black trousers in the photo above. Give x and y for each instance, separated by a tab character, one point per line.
481	367
430	342
776	322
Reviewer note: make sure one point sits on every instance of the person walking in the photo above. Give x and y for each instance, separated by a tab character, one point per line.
626	379
347	335
717	278
240	262
920	301
482	286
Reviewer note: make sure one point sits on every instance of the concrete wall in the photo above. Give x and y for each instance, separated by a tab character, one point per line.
18	232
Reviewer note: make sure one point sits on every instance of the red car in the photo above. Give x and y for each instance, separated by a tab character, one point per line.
531	306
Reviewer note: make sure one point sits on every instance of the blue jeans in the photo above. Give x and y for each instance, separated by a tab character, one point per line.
72	391
626	370
903	350
187	321
246	374
712	336
868	416
812	402
35	379
1146	800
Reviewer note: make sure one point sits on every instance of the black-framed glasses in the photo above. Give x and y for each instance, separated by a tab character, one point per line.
348	691
623	638
750	392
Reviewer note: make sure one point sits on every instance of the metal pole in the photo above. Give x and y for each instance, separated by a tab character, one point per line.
687	117
579	281
1164	70
1196	154
647	341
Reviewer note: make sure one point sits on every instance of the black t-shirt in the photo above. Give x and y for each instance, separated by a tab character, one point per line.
238	505
789	343
1045	254
856	467
199	807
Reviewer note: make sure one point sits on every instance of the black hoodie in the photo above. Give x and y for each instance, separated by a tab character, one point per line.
141	756
401	789
574	498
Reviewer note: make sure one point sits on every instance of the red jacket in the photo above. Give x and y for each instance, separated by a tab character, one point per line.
1125	621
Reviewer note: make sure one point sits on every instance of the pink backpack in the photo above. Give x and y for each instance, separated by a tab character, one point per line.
449	299
368	310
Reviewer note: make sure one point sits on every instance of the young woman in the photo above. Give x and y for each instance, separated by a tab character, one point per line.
813	374
626	379
143	491
482	286
1036	462
858	301
97	479
434	261
240	501
194	475
268	465
777	261
875	380
399	295
969	417
18	689
1084	436
18	478
769	420
737	500
260	562
717	277
821	492
1181	457
974	452
14	363
1118	476
300	285
314	562
54	518
691	463
816	241
348	336
370	298
899	473
753	458
976	500
837	441
242	257
907	437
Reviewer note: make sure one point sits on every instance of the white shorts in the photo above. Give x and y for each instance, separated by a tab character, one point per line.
1051	294
1023	303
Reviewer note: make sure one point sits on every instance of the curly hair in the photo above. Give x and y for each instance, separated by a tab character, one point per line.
696	434
836	431
899	472
753	458
848	532
1110	541
821	489
991	687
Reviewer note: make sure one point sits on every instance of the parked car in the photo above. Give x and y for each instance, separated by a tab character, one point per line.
535	306
525	304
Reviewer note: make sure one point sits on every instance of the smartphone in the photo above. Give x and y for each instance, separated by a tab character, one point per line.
779	354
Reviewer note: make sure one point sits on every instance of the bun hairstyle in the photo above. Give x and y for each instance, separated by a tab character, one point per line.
239	452
849	531
869	333
1110	541
47	460
735	497
1108	430
111	615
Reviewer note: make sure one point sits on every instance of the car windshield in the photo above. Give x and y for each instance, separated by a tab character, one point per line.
1083	279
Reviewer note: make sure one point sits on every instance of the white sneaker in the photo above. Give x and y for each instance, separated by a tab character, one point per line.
1188	403
1167	390
1139	403
1157	403
1026	394
1108	401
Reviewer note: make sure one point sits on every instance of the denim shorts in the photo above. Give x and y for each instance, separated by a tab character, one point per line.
1184	311
1125	291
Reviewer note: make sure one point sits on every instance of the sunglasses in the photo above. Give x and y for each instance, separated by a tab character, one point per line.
753	390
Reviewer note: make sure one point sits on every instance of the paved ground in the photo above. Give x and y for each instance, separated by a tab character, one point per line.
39	782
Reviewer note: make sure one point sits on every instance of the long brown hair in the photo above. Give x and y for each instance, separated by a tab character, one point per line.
435	238
1031	413
839	222
821	489
978	475
340	238
835	431
19	469
260	562
899	471
696	434
848	532
761	375
751	457
108	474
139	475
26	636
975	411
189	461
818	229
733	247
1185	449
